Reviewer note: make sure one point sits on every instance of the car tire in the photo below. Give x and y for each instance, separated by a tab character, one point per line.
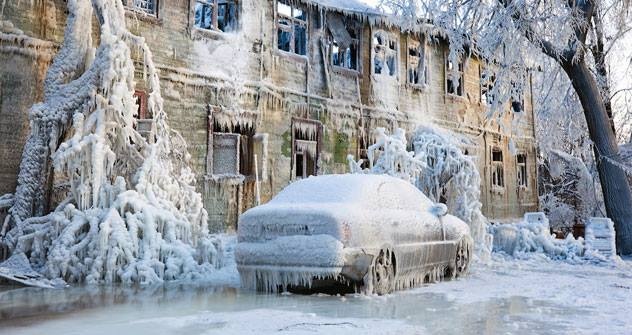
383	272
463	256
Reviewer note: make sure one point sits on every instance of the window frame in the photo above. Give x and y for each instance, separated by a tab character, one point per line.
423	54
136	9
214	4
386	50
460	71
243	134
292	28
524	181
318	140
356	42
497	169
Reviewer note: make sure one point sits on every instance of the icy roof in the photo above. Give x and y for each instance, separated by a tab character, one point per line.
364	12
346	6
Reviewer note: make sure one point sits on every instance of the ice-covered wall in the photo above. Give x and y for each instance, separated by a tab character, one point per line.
242	77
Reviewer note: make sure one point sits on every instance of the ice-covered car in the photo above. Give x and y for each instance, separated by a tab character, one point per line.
374	233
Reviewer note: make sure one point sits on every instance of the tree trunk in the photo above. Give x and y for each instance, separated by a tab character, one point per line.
616	191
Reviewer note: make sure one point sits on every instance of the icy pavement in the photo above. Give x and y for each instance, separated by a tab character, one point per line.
536	296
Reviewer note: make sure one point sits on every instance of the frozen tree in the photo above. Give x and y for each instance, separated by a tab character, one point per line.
132	214
438	168
567	174
508	33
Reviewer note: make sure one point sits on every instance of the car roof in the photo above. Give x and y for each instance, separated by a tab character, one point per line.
362	189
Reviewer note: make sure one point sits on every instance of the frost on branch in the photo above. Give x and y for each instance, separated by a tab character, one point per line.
438	168
132	214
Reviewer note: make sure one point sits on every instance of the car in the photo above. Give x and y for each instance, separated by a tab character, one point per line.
372	233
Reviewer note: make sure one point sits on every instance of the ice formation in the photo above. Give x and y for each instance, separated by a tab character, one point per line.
438	167
529	237
131	214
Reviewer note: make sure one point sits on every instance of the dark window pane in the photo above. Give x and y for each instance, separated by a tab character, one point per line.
300	40
299	166
284	40
203	15
497	156
353	51
310	166
390	61
335	54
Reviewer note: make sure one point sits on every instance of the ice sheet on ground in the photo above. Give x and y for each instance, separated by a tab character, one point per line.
532	296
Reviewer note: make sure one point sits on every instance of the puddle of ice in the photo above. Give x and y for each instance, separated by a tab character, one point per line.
185	309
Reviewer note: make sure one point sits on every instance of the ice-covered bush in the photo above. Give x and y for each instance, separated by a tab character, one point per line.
525	238
132	214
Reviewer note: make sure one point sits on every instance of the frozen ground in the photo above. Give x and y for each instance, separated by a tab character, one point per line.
533	296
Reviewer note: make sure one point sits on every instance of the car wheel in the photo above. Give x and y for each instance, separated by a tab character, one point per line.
463	256
383	273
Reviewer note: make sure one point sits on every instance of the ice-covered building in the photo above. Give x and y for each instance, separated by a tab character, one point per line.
289	87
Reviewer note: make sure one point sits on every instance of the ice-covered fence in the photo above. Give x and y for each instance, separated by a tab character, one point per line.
438	167
132	214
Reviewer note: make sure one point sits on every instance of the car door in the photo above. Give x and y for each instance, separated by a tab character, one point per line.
415	234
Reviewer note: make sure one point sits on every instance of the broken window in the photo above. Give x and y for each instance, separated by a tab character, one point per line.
291	28
487	81
306	135
454	77
521	161
145	6
344	43
216	15
418	57
233	150
498	169
517	97
385	54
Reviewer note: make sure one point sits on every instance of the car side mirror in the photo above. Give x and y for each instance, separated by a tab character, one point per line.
439	210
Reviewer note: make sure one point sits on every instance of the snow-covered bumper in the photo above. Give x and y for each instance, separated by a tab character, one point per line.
297	260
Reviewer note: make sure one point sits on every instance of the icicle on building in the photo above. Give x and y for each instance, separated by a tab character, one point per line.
289	87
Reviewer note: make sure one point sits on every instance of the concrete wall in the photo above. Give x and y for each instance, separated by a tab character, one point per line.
242	77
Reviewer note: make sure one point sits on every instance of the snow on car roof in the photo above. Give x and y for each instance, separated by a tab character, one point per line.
350	188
